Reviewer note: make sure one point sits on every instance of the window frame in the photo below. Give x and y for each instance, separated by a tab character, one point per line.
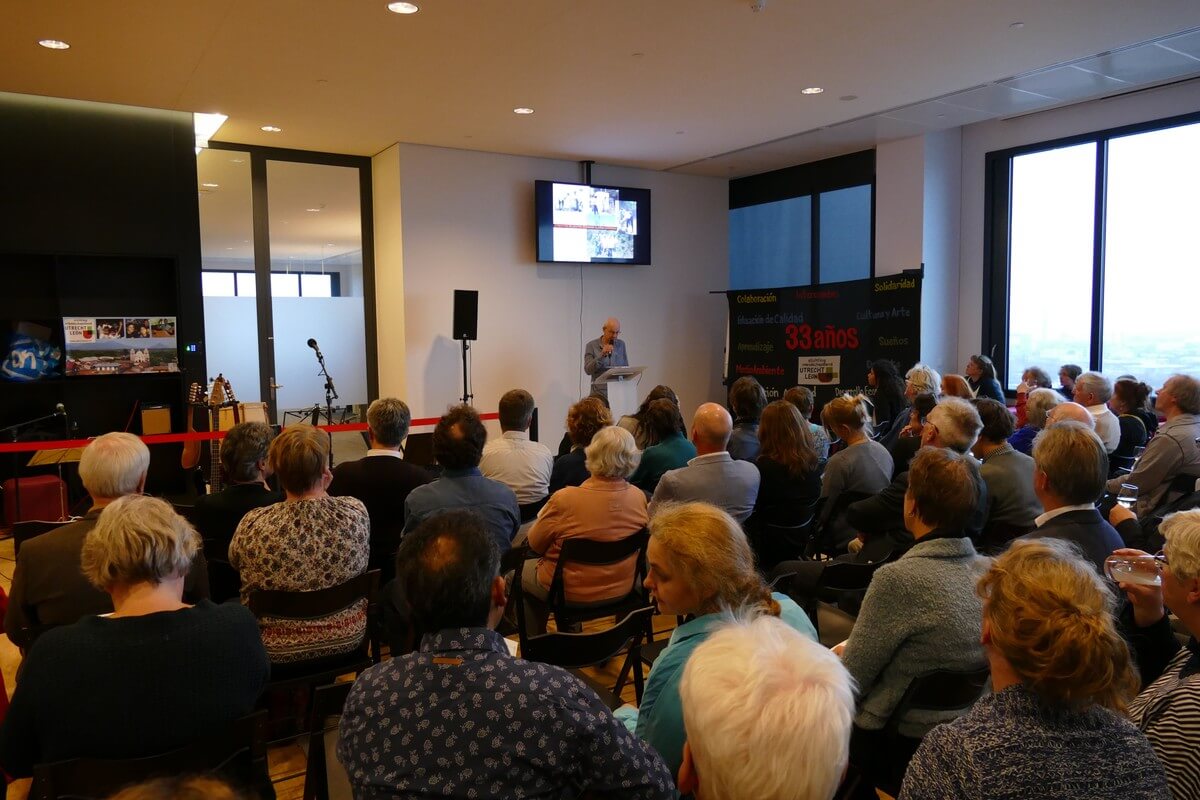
335	280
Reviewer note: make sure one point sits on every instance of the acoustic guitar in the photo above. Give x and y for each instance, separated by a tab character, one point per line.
218	395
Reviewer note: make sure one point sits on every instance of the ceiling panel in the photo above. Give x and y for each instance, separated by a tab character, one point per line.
1067	83
1144	64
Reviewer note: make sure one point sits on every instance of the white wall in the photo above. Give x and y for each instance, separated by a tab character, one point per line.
899	193
389	272
468	222
940	250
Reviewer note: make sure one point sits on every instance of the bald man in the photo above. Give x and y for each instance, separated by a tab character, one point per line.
712	476
605	353
1070	412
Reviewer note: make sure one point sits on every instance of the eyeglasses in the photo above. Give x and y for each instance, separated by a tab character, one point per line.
1161	559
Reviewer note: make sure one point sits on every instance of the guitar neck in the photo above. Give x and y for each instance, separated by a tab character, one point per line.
215	477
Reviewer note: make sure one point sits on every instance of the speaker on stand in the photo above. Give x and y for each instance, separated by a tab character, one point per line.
466	329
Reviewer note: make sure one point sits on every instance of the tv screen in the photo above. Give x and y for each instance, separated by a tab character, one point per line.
120	345
587	224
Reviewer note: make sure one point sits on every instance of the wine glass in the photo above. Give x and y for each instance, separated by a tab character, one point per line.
1127	497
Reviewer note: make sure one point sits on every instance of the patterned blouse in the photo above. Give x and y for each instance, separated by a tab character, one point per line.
461	718
302	546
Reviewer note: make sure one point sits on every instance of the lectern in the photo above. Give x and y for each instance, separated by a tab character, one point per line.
621	383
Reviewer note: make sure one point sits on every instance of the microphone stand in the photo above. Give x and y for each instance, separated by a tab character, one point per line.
330	395
13	431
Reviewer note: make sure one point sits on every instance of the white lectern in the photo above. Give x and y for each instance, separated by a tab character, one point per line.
622	383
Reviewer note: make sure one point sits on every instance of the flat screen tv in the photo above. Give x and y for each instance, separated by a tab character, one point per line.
120	345
587	224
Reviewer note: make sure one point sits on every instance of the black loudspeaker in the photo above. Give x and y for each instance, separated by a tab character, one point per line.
466	314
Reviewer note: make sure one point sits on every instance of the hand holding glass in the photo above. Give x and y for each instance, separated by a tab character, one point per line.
1128	495
1143	570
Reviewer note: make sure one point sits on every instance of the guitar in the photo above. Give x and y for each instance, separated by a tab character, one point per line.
219	396
197	398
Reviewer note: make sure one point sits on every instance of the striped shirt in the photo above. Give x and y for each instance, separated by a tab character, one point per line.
1168	712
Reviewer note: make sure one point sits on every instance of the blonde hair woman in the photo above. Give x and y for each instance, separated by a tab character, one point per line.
700	566
863	467
1055	726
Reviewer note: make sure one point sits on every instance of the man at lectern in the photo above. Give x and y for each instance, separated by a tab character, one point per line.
605	353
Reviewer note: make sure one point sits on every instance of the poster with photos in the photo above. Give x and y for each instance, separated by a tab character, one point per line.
110	345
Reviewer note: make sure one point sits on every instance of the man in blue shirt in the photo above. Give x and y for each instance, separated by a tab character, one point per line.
605	353
461	717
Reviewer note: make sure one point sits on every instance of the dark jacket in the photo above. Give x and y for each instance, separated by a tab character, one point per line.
1087	529
743	440
569	470
216	516
782	497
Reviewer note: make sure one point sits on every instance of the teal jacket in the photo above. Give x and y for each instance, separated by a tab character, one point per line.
671	453
659	719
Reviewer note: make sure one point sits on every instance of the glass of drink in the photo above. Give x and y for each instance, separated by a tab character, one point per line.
1127	497
1133	569
1137	453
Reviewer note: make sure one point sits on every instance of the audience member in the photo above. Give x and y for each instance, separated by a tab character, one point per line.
458	446
1012	504
48	587
1168	709
1032	378
1037	407
1067	374
1128	399
920	613
981	377
461	717
514	460
789	475
747	399
1054	726
922	379
802	398
185	787
1143	407
1171	453
863	467
1070	467
309	541
768	715
671	450
909	441
583	420
956	386
888	402
153	675
712	476
382	481
634	422
1071	412
1092	391
605	508
700	566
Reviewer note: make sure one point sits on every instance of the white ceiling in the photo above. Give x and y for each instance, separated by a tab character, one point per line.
695	85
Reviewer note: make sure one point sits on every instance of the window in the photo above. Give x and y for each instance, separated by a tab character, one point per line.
771	244
217	284
846	234
1106	281
224	283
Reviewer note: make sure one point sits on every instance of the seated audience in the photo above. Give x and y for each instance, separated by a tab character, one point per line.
605	508
514	460
48	587
1067	374
1037	407
1092	391
888	402
671	449
458	446
789	475
1143	407
863	467
1054	726
246	470
909	441
921	379
1173	452
712	476
1129	397
382	481
1168	709
1012	504
309	541
802	398
920	613
153	675
1032	378
1070	467
981	378
1071	412
747	399
463	718
767	713
633	422
700	566
956	386
583	420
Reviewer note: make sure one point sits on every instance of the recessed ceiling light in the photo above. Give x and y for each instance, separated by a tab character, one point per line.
270	129
522	110
237	161
1017	25
312	209
403	8
54	44
211	185
847	97
812	90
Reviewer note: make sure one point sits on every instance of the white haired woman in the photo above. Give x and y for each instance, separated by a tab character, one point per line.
605	507
151	676
1037	406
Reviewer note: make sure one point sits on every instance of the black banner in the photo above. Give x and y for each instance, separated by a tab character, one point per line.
823	336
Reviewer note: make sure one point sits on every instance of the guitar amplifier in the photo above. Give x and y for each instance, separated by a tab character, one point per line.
156	419
43	497
247	412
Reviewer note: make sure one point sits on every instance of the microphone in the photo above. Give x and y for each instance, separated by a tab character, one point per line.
313	344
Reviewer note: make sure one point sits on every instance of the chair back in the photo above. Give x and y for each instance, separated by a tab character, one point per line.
328	701
845	576
774	542
322	603
940	690
591	552
821	541
238	752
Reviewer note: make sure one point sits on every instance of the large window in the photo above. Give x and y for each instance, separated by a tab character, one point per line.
1094	253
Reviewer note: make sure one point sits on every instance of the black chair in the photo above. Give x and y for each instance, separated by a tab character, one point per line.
237	754
821	541
840	581
529	511
773	541
1120	465
328	701
575	650
589	552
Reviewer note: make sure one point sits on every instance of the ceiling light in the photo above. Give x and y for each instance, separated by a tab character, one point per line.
206	127
271	129
403	8
1017	25
312	209
812	90
237	161
522	110
848	97
211	185
54	44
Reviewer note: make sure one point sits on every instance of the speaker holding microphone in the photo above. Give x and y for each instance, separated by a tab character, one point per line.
466	314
